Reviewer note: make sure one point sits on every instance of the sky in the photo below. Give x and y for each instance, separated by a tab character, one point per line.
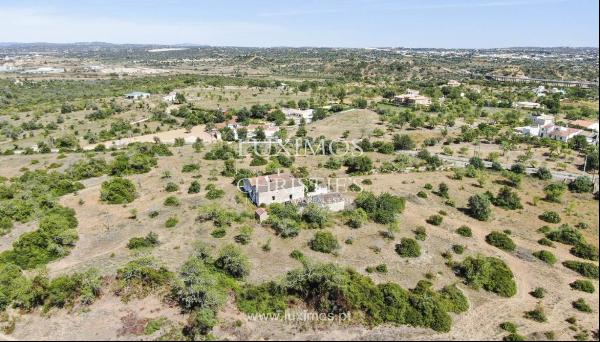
321	23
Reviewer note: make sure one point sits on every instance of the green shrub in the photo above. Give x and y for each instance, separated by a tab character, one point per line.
221	151
464	231
194	188
381	268
64	291
54	239
507	199
140	277
6	225
358	164
356	218
435	220
315	216
171	201
581	305
150	240
408	248
117	191
585	251
582	184
200	285
286	228
479	207
154	325
171	222
513	337
554	191
266	298
544	173
233	262
324	242
190	168
381	209
567	235
219	233
545	242
537	315
213	192
545	256
331	289
245	235
171	187
458	249
489	273
538	292
583	285
508	326
500	240
420	233
550	217
200	322
586	269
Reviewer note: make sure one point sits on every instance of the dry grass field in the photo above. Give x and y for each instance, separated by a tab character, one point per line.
105	229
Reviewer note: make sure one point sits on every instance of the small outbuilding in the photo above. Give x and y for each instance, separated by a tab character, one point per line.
261	214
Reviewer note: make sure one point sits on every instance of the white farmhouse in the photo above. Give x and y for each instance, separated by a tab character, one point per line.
278	188
559	133
298	114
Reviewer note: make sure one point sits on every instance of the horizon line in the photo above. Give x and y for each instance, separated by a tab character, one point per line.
299	46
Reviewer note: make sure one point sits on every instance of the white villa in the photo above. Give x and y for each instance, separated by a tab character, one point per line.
563	134
298	114
412	98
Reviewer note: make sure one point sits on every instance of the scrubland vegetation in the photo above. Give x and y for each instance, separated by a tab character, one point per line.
453	223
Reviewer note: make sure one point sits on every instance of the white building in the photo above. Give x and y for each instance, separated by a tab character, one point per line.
585	124
559	133
540	91
532	131
527	105
170	98
136	95
542	119
412	98
298	114
279	188
44	70
333	201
